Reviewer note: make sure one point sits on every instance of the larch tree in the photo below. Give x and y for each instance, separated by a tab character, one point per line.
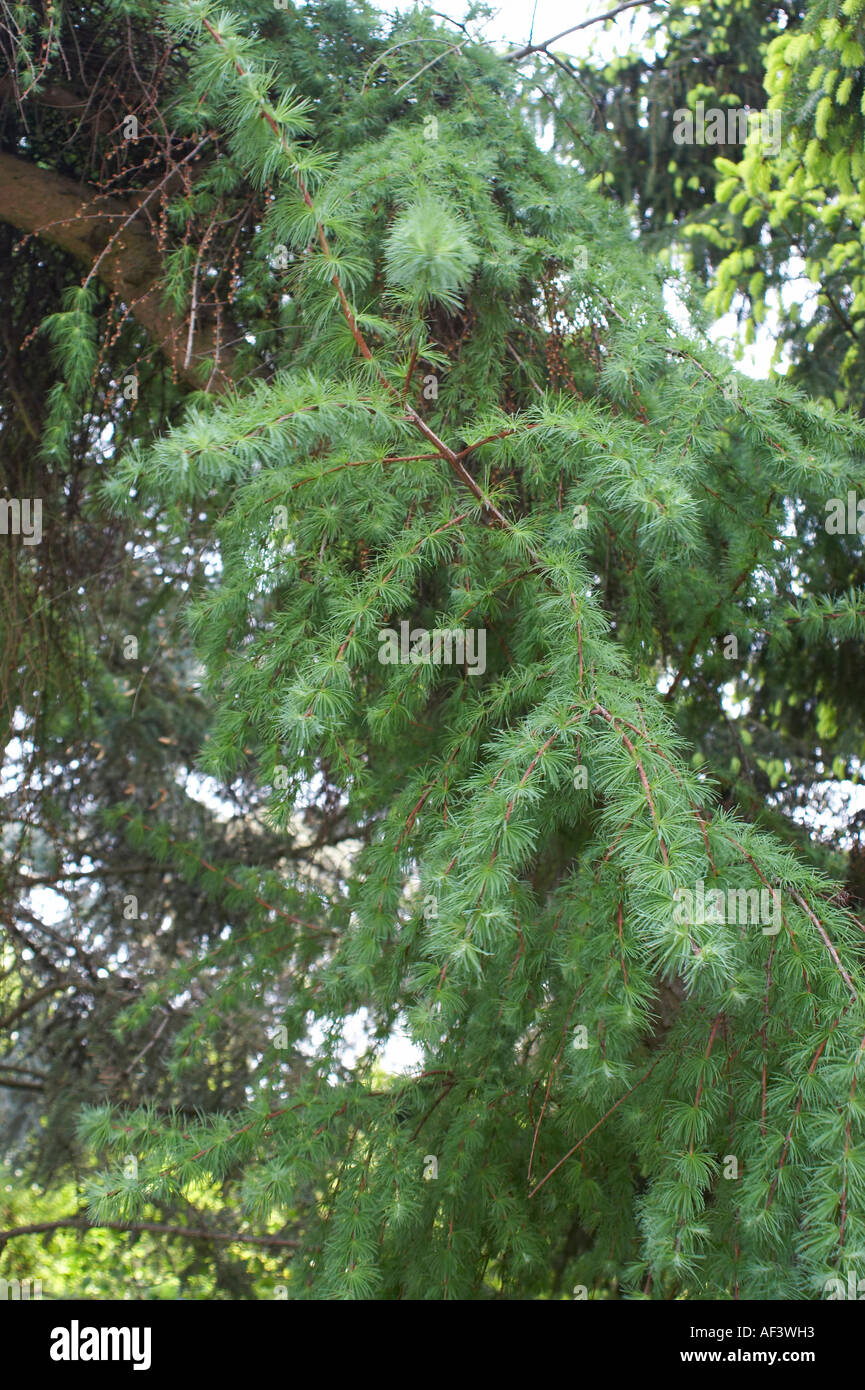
491	539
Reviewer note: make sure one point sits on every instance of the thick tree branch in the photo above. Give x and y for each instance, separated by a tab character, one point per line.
81	1223
26	1005
83	223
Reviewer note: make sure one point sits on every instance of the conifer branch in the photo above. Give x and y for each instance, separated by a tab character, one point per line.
348	313
588	1135
93	228
815	921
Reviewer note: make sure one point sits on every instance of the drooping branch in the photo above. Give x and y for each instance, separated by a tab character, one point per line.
90	227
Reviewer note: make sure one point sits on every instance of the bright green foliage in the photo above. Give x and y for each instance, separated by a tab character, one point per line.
683	53
809	193
762	218
150	1264
429	255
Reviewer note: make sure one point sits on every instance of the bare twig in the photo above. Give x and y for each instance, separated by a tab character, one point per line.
815	921
81	1223
529	48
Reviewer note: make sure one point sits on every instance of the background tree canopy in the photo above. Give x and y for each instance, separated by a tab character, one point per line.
321	324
